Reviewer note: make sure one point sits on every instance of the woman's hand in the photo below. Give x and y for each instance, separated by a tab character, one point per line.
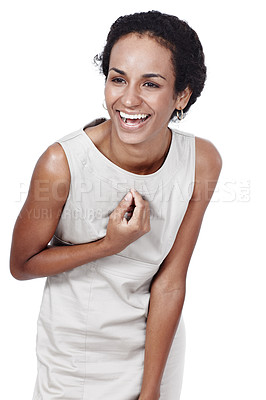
128	222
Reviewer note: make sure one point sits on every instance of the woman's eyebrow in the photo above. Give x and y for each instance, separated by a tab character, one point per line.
151	75
119	71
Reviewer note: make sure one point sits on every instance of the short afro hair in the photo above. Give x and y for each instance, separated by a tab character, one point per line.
171	32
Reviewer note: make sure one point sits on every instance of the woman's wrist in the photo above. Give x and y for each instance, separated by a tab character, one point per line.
149	396
107	249
143	397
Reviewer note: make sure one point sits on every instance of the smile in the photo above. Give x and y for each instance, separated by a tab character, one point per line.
133	120
125	116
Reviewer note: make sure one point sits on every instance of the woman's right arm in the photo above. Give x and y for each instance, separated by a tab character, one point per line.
31	257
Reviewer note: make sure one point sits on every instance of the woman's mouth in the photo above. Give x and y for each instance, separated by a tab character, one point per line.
133	120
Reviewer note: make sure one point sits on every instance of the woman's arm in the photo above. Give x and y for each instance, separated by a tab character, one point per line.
169	284
35	226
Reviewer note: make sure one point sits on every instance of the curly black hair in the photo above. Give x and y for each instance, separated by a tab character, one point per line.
171	32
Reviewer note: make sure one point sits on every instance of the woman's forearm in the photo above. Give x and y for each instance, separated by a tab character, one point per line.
31	257
54	260
163	318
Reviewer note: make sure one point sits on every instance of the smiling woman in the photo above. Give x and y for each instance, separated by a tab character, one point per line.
131	194
139	81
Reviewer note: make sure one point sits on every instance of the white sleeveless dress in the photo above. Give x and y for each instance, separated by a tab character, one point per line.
92	321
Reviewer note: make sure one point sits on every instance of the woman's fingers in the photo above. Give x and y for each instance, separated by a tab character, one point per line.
129	221
123	207
141	213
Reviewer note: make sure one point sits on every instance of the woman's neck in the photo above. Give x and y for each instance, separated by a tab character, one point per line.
142	158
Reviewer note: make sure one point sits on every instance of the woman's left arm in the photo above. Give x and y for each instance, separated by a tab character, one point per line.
169	284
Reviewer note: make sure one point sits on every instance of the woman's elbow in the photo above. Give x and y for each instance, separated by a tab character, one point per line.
18	270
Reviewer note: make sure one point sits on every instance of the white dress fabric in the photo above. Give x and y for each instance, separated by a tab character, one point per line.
92	321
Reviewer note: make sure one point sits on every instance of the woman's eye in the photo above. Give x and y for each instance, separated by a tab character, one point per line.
118	80
151	85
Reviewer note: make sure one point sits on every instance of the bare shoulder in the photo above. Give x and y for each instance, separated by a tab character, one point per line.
53	162
51	176
208	159
207	169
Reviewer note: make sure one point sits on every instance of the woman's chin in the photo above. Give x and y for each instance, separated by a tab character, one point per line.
131	131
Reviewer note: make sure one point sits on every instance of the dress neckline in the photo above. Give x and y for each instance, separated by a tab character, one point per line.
111	164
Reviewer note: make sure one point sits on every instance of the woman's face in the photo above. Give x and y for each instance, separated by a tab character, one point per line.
139	89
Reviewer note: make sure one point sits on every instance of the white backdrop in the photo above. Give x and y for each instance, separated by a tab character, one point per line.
49	87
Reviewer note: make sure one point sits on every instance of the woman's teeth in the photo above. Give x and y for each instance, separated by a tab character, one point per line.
125	116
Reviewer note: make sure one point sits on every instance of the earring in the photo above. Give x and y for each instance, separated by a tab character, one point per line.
180	114
104	105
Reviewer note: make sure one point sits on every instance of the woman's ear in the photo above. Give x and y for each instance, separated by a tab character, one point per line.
183	98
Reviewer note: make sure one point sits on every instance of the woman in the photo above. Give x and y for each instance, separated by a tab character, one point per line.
112	217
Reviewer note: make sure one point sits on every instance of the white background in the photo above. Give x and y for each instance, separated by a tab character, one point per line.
49	88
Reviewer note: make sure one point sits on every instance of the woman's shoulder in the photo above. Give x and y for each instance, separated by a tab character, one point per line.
208	165
52	164
208	158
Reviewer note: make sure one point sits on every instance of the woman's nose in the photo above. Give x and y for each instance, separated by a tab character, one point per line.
131	96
